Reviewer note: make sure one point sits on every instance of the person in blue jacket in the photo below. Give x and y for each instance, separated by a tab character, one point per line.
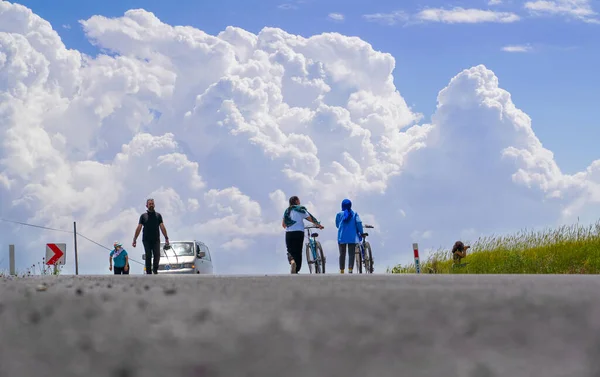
350	229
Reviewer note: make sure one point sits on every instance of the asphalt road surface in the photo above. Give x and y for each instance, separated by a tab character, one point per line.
300	325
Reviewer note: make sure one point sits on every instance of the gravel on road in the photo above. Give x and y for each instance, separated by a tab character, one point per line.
300	325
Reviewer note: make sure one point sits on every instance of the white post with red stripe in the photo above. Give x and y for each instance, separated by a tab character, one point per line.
416	251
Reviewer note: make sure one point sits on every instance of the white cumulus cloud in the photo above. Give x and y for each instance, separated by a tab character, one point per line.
387	18
336	16
456	15
516	48
578	9
460	15
221	129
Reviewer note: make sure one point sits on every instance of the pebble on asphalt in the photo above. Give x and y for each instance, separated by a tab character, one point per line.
170	291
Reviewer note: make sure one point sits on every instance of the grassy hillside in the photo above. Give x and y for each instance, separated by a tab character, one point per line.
566	250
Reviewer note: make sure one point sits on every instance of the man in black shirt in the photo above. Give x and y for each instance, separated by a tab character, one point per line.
151	221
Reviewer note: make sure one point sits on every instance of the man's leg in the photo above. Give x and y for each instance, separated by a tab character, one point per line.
342	248
118	270
351	254
156	249
148	251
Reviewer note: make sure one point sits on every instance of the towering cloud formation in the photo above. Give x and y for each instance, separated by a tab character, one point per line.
221	130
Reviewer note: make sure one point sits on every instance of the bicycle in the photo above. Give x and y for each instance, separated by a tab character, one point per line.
363	253
312	257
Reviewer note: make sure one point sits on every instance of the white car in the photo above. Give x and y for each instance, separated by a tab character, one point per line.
184	257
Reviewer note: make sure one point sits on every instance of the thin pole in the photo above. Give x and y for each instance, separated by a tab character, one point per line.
11	259
75	247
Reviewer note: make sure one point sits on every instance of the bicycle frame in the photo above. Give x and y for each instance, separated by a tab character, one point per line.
312	244
361	250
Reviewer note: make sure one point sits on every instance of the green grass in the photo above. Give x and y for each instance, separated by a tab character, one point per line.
40	269
571	249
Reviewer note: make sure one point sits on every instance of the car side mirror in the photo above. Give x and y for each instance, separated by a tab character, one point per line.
201	254
143	256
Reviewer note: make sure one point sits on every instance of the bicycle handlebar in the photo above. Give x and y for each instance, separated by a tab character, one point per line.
316	227
311	226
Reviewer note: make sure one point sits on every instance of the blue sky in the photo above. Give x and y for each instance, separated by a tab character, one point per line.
556	83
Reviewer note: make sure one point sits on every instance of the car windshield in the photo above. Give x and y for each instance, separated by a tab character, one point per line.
178	248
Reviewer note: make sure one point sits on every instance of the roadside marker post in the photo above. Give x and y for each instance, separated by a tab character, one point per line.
416	252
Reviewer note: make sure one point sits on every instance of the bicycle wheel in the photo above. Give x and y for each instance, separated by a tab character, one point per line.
358	258
368	258
309	259
321	256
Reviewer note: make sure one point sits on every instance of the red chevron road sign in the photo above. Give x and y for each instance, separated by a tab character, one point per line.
55	253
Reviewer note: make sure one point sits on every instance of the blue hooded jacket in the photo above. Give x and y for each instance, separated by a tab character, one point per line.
349	224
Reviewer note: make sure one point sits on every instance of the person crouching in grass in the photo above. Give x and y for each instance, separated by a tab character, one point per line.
459	251
121	260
